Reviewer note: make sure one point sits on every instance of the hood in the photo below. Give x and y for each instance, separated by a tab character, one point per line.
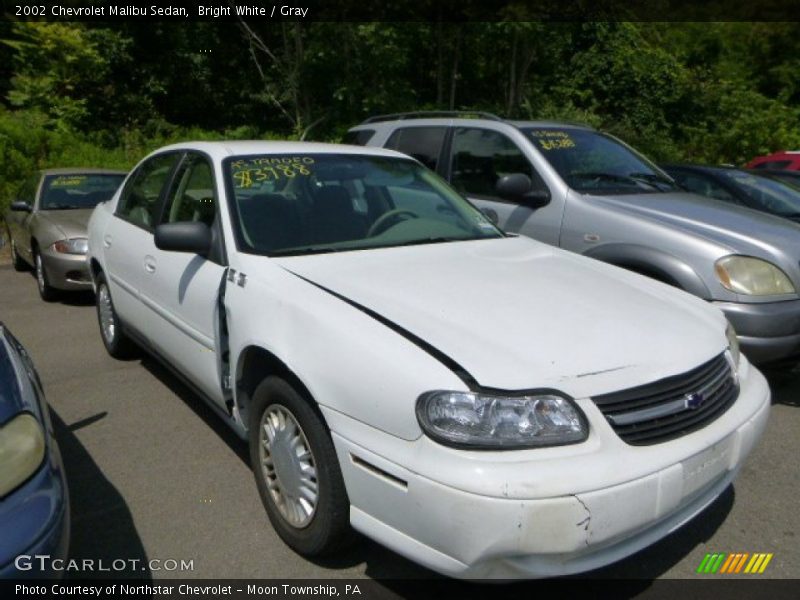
70	223
742	230
517	314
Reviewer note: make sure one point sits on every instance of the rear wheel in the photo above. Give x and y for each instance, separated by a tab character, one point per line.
297	471
46	291
116	342
16	259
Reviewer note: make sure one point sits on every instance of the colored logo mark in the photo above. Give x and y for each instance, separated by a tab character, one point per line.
733	563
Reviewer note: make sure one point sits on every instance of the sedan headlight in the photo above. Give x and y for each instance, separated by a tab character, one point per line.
21	451
73	246
733	345
752	276
495	421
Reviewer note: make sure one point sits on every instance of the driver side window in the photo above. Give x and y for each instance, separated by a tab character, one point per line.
139	203
192	196
480	157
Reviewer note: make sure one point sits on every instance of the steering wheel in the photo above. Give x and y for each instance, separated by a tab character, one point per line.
379	226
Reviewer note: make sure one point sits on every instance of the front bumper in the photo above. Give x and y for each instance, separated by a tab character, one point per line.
69	272
35	521
465	534
768	332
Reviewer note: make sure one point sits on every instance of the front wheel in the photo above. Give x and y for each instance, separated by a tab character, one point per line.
297	471
47	292
116	342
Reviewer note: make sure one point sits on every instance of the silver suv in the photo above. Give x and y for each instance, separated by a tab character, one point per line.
586	191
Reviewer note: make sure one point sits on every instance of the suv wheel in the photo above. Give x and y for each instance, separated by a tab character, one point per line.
297	471
116	342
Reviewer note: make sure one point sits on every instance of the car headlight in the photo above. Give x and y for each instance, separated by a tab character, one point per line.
21	451
733	345
496	421
752	276
73	246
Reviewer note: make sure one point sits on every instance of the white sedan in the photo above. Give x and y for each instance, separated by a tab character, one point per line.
483	404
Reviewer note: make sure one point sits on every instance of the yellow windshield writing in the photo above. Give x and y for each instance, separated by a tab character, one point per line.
553	140
68	181
250	172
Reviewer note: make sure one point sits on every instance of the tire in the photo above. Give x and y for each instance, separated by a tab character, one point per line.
312	528
117	343
16	260
47	292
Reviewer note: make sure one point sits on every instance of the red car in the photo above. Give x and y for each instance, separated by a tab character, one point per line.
787	160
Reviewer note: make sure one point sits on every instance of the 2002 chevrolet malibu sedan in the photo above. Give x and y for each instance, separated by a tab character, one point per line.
486	405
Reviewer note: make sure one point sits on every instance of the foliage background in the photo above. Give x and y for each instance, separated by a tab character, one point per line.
100	94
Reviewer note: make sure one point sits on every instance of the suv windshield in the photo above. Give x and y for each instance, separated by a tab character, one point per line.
773	196
314	203
596	163
77	190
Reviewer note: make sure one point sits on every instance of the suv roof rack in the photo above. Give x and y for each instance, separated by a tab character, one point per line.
431	114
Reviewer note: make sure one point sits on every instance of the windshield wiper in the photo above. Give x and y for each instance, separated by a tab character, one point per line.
306	250
635	180
428	240
61	207
654	179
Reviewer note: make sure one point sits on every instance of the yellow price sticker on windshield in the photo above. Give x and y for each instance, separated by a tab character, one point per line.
556	144
247	173
553	140
68	181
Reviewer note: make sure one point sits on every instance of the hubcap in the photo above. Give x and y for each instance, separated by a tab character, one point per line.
288	466
40	272
106	311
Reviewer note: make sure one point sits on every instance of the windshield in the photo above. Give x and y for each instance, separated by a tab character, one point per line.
308	204
592	162
61	192
773	196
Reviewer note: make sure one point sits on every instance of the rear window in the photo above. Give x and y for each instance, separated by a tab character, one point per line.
422	143
773	164
359	138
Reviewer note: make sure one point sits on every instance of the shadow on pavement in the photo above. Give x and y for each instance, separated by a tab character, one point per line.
77	298
102	525
785	385
198	405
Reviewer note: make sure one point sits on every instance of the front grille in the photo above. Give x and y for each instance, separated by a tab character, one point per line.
672	407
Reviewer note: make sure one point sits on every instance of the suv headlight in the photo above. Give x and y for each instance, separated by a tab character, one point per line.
73	246
752	276
21	451
500	422
733	345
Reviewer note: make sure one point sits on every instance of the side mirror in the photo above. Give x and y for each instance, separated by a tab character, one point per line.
185	236
518	187
21	206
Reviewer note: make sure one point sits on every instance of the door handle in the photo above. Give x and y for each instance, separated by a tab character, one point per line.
107	241
149	264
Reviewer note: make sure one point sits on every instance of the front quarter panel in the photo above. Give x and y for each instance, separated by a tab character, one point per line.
596	229
45	231
349	362
97	226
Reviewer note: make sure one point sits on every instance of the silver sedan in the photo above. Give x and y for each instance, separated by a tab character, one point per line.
47	225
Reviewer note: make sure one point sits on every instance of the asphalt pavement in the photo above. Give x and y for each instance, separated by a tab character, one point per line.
154	474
